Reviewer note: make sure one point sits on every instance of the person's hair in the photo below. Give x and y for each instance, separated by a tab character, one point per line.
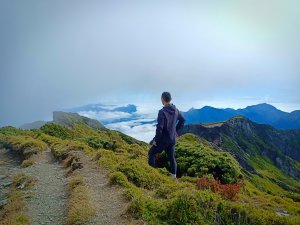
166	96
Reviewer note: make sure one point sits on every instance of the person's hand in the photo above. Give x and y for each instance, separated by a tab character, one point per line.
154	143
177	136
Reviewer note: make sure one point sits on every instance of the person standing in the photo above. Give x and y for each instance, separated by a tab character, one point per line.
167	130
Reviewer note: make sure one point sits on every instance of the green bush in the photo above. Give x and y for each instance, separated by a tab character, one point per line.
9	130
27	163
185	209
98	142
196	158
24	145
149	209
119	178
141	174
56	130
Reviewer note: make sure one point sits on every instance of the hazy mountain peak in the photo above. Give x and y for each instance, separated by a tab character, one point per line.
33	125
209	107
70	119
262	106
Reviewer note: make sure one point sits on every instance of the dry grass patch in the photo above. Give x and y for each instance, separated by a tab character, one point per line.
27	163
80	210
14	212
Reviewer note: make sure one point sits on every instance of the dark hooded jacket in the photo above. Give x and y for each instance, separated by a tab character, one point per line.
167	127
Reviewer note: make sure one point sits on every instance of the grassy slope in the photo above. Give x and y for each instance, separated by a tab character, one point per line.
271	179
157	198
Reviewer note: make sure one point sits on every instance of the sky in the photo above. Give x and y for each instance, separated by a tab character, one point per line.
60	54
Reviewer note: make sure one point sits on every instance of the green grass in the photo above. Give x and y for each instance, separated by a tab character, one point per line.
158	199
23	145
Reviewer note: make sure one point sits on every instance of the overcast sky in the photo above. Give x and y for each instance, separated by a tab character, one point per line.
61	54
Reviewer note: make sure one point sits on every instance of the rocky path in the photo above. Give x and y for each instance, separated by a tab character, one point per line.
49	202
108	200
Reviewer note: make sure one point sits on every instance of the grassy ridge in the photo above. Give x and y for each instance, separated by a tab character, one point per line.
159	199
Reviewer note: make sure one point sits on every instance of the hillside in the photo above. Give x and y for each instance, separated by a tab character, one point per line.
261	113
260	149
153	197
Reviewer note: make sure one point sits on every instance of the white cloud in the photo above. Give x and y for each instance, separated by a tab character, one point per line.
103	115
143	132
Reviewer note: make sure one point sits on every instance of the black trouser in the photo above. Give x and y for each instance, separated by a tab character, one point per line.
170	151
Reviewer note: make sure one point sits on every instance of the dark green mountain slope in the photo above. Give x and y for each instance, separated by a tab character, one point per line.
260	149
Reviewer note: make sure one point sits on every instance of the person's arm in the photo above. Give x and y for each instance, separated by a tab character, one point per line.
180	123
159	126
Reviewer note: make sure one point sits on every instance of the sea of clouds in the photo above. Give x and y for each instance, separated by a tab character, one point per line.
140	124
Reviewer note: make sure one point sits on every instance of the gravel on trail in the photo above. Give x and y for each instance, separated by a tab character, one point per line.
108	200
48	205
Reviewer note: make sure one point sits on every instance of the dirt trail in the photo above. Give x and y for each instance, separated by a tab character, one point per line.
49	202
108	200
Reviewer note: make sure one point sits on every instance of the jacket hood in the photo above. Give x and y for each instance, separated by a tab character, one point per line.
170	108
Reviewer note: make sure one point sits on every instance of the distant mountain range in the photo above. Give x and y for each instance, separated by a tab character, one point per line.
261	113
130	108
257	147
130	119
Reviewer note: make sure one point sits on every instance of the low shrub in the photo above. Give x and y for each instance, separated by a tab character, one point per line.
228	191
119	178
98	143
80	210
27	163
61	148
141	174
56	130
24	145
196	158
148	209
